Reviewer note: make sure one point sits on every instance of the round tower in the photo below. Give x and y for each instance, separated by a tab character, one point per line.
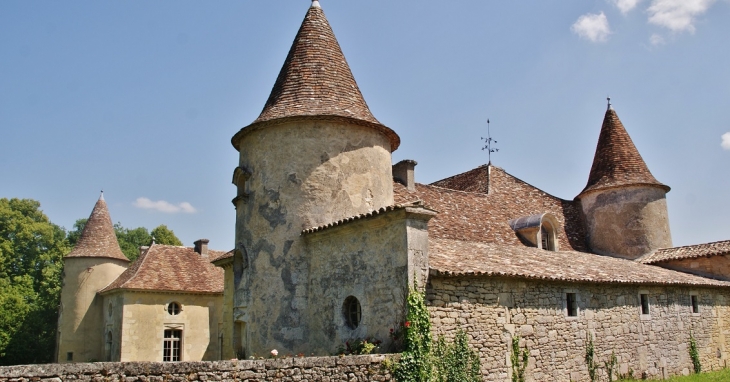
94	263
624	206
315	155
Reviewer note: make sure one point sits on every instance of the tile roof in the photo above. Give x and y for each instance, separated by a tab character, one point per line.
617	162
362	216
316	81
482	217
172	269
464	258
224	255
98	238
687	252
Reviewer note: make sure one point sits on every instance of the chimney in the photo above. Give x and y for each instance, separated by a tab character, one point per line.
404	173
201	246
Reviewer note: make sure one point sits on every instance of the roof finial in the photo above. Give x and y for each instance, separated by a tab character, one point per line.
488	144
102	195
609	103
315	4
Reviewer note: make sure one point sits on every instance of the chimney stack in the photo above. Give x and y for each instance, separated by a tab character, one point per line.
201	246
404	173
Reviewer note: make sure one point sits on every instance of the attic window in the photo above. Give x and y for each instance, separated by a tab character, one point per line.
173	308
547	237
539	230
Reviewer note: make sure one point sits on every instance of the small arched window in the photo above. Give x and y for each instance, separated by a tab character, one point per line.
173	308
352	312
547	236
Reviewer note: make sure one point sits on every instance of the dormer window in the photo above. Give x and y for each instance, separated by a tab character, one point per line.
539	231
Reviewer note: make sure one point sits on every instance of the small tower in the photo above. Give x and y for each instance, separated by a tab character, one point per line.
95	261
316	154
624	206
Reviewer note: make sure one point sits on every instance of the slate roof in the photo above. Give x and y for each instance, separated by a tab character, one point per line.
98	238
477	216
316	81
467	258
687	252
617	162
170	268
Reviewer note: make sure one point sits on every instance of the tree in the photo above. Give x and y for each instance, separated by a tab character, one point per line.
164	235
31	252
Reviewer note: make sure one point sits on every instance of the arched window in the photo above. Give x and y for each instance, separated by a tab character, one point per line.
539	230
352	312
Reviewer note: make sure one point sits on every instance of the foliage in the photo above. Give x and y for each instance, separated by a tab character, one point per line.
589	358
694	354
611	366
360	346
456	361
415	362
131	239
518	359
717	376
31	252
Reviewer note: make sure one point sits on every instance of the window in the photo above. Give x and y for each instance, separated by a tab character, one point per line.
695	303
351	311
173	308
70	356
546	235
644	303
571	304
108	346
171	345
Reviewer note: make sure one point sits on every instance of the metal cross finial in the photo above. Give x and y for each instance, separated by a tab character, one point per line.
488	141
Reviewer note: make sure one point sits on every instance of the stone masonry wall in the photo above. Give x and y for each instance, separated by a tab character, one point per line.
493	310
717	267
331	369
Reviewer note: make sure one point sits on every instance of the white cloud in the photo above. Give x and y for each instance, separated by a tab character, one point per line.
625	6
164	206
657	39
677	15
592	27
725	141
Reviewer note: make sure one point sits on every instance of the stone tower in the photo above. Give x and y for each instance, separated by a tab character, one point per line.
95	261
624	206
316	154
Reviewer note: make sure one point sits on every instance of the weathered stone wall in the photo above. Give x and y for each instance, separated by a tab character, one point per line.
627	221
300	174
493	310
81	320
370	259
717	267
332	369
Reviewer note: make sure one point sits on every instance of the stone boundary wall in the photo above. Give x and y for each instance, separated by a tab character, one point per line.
325	369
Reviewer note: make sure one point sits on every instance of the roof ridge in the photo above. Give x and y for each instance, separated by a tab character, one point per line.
695	245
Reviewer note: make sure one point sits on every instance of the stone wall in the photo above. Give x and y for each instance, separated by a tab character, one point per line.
333	369
716	267
493	310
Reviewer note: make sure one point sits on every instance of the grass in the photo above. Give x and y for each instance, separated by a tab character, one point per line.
716	376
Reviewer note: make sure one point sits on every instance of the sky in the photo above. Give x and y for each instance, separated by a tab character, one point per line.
140	98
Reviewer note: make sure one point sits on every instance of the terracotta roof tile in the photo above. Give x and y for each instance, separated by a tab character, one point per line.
361	216
98	238
688	252
172	268
463	258
316	81
617	162
478	216
224	255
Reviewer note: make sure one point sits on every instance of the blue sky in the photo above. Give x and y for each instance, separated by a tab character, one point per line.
140	98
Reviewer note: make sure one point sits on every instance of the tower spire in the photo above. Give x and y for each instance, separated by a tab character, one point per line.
98	238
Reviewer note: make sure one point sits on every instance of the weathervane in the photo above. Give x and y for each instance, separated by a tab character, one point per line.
488	144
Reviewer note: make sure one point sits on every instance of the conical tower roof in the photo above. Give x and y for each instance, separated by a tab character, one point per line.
617	162
98	238
316	83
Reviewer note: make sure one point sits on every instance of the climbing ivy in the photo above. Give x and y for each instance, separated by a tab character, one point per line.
694	354
519	359
456	361
415	362
589	358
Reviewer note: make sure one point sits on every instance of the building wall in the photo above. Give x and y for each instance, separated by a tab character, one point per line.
626	221
145	318
81	320
716	267
492	310
228	351
302	174
370	259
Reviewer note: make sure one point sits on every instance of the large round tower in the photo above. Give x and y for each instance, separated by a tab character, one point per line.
95	261
624	206
316	154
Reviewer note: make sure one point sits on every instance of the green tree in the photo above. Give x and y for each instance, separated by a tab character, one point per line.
31	252
164	235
